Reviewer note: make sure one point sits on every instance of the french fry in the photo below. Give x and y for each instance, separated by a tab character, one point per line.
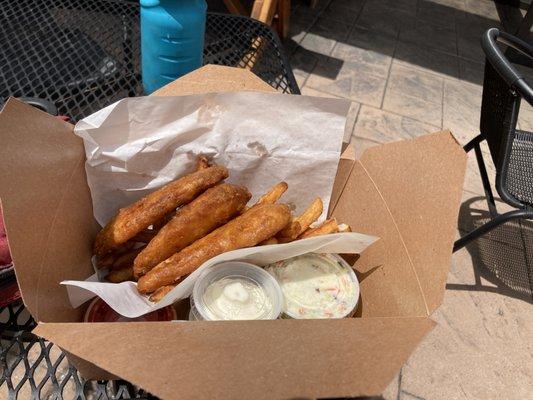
288	233
273	194
344	228
272	240
202	162
302	222
126	259
160	293
121	275
329	226
108	260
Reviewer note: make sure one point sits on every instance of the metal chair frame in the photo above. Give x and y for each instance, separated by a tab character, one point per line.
502	147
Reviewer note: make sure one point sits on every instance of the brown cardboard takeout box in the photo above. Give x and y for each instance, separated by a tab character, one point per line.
406	192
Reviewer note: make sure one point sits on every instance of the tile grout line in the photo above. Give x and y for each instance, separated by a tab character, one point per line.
400	376
376	108
355	120
313	23
390	69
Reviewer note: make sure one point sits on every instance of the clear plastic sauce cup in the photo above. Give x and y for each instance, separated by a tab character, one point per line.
316	286
235	290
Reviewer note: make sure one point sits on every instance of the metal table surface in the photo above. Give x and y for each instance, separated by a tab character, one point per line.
83	55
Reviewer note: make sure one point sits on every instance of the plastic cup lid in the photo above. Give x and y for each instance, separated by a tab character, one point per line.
267	305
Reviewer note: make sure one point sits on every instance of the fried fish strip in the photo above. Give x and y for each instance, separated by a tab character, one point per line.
132	219
211	209
120	275
248	229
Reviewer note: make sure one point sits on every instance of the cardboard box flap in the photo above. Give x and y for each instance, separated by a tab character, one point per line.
215	78
47	208
412	205
341	358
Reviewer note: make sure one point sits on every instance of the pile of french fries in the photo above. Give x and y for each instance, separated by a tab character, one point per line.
264	223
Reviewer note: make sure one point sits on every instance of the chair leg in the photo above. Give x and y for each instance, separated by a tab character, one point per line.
474	142
485	180
489	226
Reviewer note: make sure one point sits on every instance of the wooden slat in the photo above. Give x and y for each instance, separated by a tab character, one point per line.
284	16
264	10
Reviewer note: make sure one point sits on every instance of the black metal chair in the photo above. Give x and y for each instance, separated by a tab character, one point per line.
511	149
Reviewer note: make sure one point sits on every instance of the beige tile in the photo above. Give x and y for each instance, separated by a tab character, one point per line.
300	77
438	14
377	18
350	121
471	71
363	59
382	126
525	117
392	391
307	91
412	56
473	178
341	13
457	4
481	348
424	34
409	81
461	109
352	113
352	81
323	36
413	107
415	94
380	42
318	43
361	144
483	8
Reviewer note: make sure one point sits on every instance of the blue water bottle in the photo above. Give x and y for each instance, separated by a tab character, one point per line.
172	40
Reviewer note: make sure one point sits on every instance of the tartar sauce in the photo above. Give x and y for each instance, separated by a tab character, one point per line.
316	286
236	298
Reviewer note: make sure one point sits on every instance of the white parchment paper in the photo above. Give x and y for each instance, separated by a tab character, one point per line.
139	144
126	300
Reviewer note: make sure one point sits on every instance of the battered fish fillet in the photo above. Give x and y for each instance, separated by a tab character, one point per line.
211	209
259	223
133	219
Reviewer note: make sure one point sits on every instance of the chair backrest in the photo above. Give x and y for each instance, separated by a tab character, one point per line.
503	89
498	105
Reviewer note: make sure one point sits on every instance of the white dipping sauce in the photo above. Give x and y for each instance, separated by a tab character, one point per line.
236	298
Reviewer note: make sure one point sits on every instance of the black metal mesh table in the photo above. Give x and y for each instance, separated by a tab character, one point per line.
83	55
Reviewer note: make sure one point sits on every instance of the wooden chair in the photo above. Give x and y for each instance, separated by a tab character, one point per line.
266	11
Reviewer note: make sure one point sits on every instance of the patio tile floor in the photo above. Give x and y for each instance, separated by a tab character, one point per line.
411	67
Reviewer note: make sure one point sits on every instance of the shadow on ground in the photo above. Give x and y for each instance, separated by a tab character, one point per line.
429	35
503	257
